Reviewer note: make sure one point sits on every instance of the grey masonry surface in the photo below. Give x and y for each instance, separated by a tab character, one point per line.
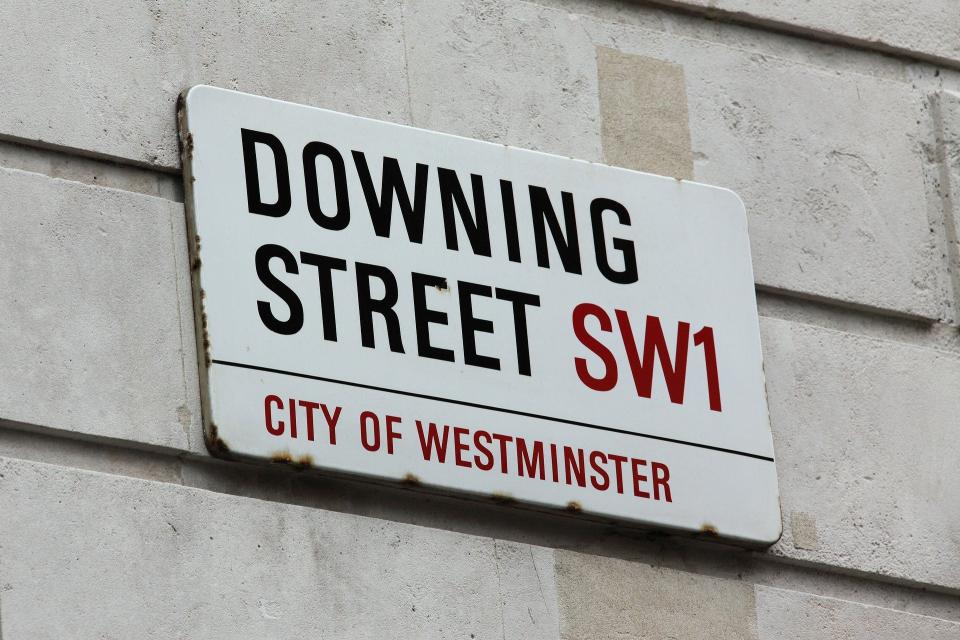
838	124
927	29
102	345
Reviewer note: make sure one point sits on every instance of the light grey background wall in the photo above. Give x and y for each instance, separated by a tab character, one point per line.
837	122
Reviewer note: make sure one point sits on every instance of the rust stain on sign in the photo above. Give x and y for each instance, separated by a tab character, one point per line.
196	253
709	529
410	479
574	506
206	337
285	457
305	461
215	443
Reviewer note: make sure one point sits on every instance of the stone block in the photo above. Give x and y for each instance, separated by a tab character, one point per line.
88	555
104	77
610	598
865	437
97	324
791	615
927	29
644	120
507	72
947	153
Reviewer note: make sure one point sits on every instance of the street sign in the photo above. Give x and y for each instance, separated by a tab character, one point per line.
407	305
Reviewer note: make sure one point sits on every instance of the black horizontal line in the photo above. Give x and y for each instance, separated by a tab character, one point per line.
477	405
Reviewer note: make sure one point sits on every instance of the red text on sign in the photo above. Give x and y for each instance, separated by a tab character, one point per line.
642	363
532	458
281	416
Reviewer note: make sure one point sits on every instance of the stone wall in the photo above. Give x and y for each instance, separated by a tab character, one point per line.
838	123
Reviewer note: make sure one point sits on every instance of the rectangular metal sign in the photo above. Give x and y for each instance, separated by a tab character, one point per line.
382	300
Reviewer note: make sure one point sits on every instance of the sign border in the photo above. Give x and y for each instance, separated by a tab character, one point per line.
220	449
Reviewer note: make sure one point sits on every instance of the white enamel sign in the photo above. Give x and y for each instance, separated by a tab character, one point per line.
407	305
